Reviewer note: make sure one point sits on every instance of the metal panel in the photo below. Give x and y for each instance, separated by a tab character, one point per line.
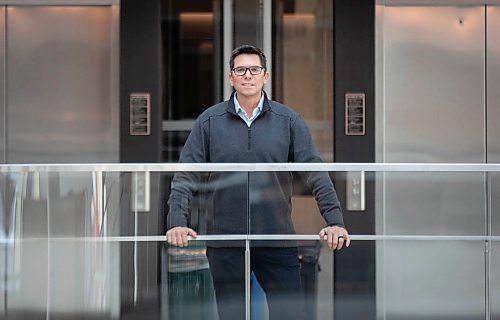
493	79
493	134
59	82
434	112
2	86
432	83
4	249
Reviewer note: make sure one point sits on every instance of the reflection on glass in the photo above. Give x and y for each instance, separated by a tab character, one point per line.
303	73
48	268
190	288
193	271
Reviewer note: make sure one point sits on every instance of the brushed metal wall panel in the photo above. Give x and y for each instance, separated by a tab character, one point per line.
493	81
59	82
493	136
2	86
432	82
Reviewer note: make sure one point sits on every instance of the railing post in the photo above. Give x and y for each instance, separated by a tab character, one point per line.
247	279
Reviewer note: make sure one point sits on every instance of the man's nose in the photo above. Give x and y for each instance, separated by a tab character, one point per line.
247	73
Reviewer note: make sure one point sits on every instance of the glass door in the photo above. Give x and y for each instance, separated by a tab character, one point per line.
191	32
198	36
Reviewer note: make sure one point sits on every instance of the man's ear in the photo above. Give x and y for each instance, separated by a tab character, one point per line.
266	77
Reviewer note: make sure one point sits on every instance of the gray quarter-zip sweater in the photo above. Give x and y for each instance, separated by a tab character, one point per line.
254	202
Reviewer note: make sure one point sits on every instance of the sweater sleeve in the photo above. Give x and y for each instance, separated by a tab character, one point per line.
185	184
320	184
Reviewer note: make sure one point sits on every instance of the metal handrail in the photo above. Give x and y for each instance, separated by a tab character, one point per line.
244	167
253	237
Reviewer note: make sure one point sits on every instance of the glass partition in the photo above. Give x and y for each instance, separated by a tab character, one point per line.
88	241
434	203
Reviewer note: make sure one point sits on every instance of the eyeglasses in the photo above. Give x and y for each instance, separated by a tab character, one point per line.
254	70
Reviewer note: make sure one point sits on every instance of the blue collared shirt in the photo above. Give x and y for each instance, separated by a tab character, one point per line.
243	115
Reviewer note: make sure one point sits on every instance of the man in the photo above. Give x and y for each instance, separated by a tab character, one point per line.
251	128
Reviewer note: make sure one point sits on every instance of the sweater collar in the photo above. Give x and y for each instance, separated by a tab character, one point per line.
231	108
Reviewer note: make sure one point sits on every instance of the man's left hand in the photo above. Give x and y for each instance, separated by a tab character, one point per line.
336	237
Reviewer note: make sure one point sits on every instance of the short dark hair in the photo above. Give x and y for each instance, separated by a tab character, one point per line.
247	49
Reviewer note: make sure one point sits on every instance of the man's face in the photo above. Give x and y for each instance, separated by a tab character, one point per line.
248	85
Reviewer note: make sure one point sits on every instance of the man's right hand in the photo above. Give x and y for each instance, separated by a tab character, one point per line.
178	236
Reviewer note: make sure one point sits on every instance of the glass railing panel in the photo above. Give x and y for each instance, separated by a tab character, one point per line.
62	204
494	225
219	209
318	301
113	204
83	278
42	280
26	280
291	279
87	244
433	203
494	202
58	260
187	290
282	205
5	272
429	279
427	276
494	284
219	203
24	290
204	279
283	202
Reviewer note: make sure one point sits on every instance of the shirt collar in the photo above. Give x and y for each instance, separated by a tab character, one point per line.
257	110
